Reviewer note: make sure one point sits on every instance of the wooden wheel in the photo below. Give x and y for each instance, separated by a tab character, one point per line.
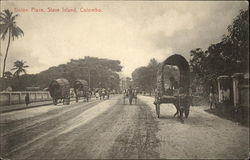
55	101
158	110
130	100
68	101
186	112
124	99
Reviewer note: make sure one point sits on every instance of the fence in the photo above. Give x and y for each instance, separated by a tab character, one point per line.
9	98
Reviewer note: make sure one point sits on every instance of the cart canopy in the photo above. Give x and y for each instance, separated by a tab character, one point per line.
80	83
59	88
182	64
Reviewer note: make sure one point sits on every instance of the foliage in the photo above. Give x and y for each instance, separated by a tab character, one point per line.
229	56
145	77
19	67
8	26
8	75
100	72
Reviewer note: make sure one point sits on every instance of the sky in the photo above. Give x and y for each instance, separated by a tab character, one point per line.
132	32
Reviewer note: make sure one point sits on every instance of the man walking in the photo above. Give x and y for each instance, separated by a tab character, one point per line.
130	94
27	99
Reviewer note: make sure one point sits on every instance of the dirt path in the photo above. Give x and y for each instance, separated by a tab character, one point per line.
20	131
108	129
202	136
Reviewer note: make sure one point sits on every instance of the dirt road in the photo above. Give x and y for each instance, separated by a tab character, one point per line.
109	129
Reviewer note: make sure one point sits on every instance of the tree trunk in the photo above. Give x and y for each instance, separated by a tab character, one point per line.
6	54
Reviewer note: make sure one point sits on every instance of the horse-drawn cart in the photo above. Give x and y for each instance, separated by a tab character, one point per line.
60	89
81	89
179	96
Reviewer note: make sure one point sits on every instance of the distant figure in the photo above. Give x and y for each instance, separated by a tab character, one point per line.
100	93
130	94
97	95
125	92
227	94
108	91
135	95
27	99
104	92
212	97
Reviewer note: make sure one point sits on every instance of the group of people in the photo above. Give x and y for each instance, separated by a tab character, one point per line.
101	93
131	93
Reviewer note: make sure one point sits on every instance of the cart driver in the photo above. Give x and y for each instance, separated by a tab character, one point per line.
173	83
174	87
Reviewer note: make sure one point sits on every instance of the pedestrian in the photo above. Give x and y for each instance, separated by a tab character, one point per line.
27	99
130	94
212	97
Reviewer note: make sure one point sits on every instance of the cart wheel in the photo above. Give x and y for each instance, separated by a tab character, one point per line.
68	101
123	100
55	101
130	100
158	110
187	112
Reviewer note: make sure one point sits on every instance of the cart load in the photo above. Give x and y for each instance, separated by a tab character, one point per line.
81	89
175	94
60	90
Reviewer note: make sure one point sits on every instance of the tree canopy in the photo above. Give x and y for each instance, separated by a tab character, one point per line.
100	73
145	77
230	55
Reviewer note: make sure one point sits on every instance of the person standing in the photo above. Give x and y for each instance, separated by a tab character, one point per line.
130	94
211	97
27	99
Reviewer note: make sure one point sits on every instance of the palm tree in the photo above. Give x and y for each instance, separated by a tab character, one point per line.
8	26
19	67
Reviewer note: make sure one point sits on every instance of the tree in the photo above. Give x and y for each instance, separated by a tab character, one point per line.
8	75
229	56
98	72
145	77
236	44
8	26
19	67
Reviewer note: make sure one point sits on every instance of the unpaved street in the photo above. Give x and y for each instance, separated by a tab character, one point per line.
109	129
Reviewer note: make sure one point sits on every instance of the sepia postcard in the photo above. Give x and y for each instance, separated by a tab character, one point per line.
124	79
